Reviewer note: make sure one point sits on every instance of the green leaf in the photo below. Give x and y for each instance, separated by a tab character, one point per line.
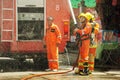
90	3
75	3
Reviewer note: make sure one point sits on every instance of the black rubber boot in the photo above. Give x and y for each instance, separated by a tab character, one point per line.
86	69
81	72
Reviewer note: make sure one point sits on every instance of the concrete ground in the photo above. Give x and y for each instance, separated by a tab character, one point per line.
111	74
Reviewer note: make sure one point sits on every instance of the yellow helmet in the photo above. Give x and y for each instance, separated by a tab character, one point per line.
89	16
82	15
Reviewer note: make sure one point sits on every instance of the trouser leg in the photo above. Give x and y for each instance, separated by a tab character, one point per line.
91	63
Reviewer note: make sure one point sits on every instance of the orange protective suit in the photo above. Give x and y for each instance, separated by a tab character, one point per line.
84	47
92	49
52	39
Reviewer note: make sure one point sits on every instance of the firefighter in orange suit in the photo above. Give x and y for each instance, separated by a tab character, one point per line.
52	41
93	44
84	31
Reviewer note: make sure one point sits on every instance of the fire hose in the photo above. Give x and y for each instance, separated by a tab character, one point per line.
38	75
51	73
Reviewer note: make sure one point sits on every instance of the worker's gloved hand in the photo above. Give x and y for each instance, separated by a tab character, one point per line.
76	29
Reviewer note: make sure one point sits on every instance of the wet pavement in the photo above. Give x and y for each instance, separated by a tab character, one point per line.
111	74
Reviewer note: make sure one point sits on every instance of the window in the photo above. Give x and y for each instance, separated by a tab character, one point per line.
30	19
